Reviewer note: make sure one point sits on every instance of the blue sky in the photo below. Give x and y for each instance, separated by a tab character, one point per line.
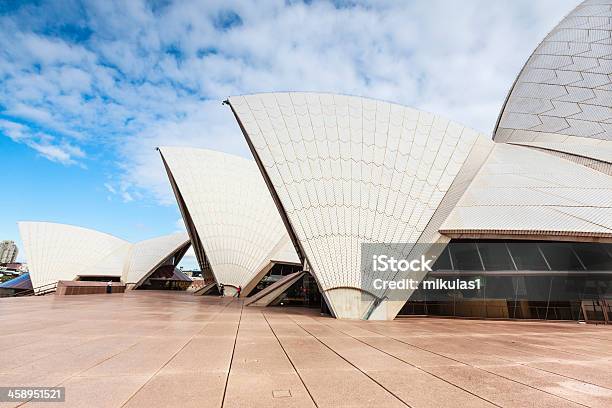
89	88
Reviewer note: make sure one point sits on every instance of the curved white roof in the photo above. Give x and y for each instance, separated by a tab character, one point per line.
233	215
146	255
562	99
349	170
286	253
64	252
521	192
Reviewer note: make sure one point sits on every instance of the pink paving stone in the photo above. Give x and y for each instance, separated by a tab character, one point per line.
172	349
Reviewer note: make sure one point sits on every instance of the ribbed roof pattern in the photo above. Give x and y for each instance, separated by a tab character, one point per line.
233	213
521	191
350	170
563	95
146	255
64	252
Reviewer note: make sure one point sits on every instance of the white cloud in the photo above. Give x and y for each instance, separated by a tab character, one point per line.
121	189
110	188
142	77
46	145
15	131
48	51
53	153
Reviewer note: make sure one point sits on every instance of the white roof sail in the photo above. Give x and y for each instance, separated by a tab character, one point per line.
562	98
231	210
286	253
551	174
522	193
146	256
349	170
64	252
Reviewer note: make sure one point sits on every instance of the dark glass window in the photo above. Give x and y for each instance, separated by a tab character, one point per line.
560	256
500	287
594	256
527	256
522	294
538	288
465	256
495	256
443	262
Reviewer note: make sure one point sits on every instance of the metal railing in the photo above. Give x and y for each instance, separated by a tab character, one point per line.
597	311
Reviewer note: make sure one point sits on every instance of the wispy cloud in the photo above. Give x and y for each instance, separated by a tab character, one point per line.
46	145
89	80
65	153
121	190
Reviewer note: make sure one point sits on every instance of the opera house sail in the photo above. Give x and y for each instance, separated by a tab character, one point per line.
347	170
231	218
57	252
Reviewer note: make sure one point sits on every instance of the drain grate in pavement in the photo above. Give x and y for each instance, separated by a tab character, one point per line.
281	393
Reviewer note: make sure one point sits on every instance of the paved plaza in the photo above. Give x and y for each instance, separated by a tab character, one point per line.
171	349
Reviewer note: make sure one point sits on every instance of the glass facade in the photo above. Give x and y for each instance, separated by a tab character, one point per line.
304	292
519	280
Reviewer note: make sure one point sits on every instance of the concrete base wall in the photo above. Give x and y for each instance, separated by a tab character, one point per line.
349	303
387	310
204	289
229	291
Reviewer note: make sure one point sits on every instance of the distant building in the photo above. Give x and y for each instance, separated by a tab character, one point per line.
192	273
8	252
15	266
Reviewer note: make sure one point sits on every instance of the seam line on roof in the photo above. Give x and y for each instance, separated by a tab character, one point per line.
585	220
